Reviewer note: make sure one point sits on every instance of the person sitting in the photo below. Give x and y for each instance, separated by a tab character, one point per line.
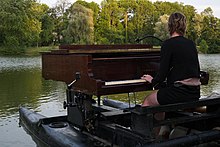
179	67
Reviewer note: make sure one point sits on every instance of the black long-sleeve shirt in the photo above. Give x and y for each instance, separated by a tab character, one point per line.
178	61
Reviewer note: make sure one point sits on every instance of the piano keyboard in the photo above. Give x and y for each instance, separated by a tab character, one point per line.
124	82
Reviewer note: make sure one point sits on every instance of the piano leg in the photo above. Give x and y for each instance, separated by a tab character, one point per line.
99	99
134	98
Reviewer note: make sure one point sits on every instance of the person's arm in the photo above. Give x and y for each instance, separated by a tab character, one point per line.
165	59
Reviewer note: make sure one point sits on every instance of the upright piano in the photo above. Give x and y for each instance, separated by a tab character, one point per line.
103	69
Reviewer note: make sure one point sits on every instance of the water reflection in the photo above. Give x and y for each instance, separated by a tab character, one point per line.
24	85
18	63
21	83
18	87
211	64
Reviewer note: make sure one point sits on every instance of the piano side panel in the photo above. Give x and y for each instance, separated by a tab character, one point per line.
62	67
57	67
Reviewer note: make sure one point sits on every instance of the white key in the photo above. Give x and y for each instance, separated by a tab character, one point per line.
125	82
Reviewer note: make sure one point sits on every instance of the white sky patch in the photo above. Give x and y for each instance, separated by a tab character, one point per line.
199	5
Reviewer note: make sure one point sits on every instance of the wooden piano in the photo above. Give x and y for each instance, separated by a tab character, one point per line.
103	69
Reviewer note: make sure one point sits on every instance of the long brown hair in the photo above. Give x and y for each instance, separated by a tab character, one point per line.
177	23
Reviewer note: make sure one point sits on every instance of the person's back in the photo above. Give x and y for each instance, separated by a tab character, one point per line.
184	62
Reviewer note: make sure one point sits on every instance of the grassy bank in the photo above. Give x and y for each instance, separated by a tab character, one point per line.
31	51
35	51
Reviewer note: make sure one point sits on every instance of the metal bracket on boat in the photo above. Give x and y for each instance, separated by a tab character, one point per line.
65	105
69	87
40	122
204	77
78	76
69	102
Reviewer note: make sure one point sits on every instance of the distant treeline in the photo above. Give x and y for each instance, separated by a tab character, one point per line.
27	23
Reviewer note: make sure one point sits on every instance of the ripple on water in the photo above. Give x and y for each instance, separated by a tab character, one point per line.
17	63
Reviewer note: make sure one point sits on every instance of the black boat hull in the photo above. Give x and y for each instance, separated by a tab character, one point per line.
58	132
54	132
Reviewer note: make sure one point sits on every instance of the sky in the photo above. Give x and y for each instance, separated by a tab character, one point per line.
200	5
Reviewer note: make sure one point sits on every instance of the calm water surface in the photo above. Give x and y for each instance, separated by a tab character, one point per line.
21	84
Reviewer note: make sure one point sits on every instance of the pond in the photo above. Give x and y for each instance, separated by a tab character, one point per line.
21	84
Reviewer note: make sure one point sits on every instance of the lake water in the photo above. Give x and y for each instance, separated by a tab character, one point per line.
21	84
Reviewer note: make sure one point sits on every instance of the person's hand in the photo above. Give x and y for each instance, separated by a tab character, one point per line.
147	78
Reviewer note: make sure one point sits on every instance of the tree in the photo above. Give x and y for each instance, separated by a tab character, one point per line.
189	12
203	47
210	30
138	19
161	27
62	6
96	11
110	28
46	35
207	12
198	24
19	26
80	29
59	16
35	12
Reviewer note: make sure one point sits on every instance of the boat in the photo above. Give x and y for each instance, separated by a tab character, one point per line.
59	132
91	72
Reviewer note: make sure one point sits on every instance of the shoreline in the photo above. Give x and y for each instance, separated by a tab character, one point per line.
30	51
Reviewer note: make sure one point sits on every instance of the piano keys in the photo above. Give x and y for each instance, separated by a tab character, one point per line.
104	69
125	82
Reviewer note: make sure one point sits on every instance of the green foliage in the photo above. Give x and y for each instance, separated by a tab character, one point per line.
26	23
161	28
210	31
80	26
203	47
35	51
46	35
20	25
110	23
12	50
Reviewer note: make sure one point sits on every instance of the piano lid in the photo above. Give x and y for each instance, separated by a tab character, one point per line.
96	49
